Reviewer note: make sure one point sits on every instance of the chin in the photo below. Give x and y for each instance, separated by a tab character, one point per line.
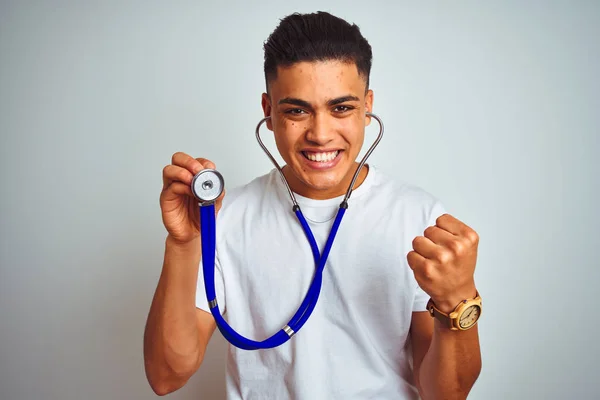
324	181
322	186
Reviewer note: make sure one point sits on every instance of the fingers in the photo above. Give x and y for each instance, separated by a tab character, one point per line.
207	164
179	188
173	173
183	167
458	228
415	260
424	269
186	161
425	247
439	236
431	251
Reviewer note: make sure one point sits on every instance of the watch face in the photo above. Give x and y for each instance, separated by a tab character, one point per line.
469	317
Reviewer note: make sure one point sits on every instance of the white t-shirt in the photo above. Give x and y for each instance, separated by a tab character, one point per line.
355	345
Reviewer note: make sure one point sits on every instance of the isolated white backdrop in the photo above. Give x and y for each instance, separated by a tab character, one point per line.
491	106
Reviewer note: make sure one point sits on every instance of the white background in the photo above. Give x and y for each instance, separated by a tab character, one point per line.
491	106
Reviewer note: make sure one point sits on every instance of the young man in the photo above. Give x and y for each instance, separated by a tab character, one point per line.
370	335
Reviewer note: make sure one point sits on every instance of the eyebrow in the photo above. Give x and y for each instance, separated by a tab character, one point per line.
306	104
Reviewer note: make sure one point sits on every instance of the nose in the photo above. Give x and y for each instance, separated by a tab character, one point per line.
321	130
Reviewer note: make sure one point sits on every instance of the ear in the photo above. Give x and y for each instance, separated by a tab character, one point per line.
368	106
266	106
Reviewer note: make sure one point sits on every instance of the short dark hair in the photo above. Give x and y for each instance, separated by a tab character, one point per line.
312	37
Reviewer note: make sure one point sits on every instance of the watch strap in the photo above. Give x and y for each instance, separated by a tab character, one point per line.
444	318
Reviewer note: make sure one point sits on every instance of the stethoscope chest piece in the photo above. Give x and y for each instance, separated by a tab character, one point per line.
207	185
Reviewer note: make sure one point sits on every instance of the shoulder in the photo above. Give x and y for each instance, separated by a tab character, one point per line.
247	195
395	194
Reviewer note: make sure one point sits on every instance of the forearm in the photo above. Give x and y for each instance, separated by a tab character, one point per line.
451	365
171	338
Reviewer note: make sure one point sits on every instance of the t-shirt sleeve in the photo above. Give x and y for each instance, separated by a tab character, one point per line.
201	300
421	298
420	301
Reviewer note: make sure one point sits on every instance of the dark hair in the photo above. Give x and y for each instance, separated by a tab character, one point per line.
318	36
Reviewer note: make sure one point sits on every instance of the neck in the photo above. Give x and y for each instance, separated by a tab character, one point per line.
339	190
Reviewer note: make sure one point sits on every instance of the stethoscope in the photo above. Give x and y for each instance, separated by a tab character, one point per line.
207	186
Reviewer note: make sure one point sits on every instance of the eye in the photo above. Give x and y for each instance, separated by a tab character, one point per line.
342	109
295	111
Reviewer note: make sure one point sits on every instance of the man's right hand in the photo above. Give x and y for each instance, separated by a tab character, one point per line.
177	332
180	210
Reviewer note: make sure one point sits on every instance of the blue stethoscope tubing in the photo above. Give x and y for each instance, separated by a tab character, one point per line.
208	238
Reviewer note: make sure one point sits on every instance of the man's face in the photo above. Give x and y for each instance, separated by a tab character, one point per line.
318	118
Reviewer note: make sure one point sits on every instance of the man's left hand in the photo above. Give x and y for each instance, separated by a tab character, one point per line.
443	261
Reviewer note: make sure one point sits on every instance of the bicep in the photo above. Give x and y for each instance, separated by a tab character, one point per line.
421	332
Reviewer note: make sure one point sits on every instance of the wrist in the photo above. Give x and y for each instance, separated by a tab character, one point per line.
183	247
447	304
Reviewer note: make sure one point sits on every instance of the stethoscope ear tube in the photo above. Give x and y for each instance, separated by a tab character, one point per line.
360	165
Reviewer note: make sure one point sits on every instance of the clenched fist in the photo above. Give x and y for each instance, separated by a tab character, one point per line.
443	262
180	210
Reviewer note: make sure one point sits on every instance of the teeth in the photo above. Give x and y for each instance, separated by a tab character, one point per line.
321	157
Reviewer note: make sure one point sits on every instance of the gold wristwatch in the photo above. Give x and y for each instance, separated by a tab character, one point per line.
464	316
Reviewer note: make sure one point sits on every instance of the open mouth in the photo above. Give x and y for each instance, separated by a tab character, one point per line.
321	156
